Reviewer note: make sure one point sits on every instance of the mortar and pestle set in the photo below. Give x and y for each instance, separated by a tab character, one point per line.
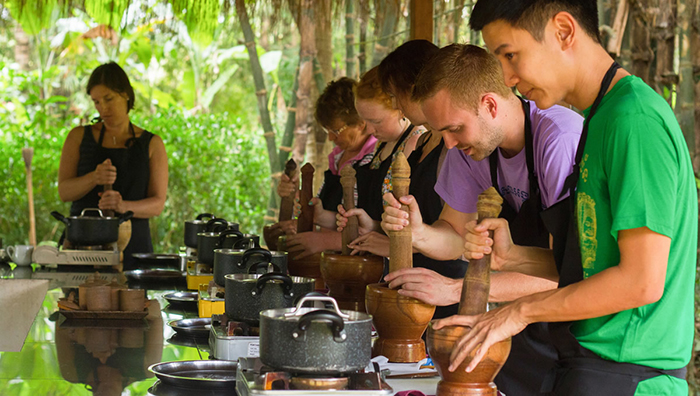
99	295
347	276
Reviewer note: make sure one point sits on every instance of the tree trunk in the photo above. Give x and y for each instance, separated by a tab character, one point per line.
350	39
685	100
308	51
618	28
288	137
695	50
642	54
664	33
387	12
324	39
364	22
457	20
21	48
261	94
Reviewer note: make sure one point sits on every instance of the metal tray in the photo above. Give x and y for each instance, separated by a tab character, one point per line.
154	274
197	374
189	298
103	314
197	327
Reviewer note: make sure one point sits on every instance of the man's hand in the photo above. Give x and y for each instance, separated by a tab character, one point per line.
477	242
395	219
364	222
486	330
372	242
425	285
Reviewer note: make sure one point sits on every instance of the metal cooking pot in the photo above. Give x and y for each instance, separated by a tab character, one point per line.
247	241
315	340
241	261
207	242
194	227
248	294
87	230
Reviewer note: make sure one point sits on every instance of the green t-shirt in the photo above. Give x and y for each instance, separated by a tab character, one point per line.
636	172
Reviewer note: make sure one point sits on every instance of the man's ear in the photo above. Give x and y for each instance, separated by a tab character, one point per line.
489	104
565	29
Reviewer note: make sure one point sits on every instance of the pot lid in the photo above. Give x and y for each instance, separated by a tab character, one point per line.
295	313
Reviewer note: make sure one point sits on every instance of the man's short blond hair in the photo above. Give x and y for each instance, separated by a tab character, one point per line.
465	71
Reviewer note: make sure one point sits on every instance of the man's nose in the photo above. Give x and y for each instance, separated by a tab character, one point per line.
450	141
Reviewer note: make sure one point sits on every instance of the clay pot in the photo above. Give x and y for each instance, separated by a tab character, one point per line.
99	298
400	322
132	300
347	277
459	382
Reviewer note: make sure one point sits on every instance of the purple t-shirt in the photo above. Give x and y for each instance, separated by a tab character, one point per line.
556	132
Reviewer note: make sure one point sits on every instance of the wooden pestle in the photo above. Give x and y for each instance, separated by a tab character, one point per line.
108	212
477	280
287	204
306	218
400	242
350	232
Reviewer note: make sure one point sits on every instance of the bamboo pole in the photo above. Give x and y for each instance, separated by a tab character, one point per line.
477	280
288	137
457	20
618	28
350	38
641	40
695	49
389	10
665	37
685	100
261	93
306	30
364	22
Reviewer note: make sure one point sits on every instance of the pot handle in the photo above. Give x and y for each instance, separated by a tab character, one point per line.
312	298
263	253
82	212
335	322
227	233
232	226
274	276
60	218
207	215
126	216
251	244
255	267
213	222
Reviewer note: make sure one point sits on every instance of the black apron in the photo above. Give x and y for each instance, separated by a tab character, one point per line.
370	181
579	371
532	354
133	174
331	194
422	187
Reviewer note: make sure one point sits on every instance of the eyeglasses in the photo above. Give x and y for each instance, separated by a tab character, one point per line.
336	132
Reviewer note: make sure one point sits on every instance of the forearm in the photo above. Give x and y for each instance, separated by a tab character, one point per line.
73	189
533	261
509	286
608	292
325	218
438	241
331	240
145	208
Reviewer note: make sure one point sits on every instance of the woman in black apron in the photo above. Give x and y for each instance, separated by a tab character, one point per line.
114	152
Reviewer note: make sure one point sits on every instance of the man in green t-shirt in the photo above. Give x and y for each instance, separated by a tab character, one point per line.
625	242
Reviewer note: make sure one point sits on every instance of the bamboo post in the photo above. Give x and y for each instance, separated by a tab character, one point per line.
665	47
350	232
287	204
618	28
364	22
27	155
641	39
685	100
400	242
477	280
288	137
349	38
306	218
386	29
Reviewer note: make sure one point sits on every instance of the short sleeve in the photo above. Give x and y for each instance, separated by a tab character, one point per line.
643	168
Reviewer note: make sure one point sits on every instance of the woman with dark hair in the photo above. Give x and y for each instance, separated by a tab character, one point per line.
115	152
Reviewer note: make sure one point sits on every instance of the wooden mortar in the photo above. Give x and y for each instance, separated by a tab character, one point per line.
347	276
474	300
400	321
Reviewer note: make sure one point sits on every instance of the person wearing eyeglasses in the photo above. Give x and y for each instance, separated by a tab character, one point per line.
336	113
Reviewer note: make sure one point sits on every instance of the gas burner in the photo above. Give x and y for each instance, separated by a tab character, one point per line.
105	255
230	340
254	378
65	276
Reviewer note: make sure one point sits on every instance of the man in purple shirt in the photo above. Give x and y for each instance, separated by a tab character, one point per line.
495	139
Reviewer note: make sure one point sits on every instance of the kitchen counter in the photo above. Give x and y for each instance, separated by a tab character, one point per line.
62	357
